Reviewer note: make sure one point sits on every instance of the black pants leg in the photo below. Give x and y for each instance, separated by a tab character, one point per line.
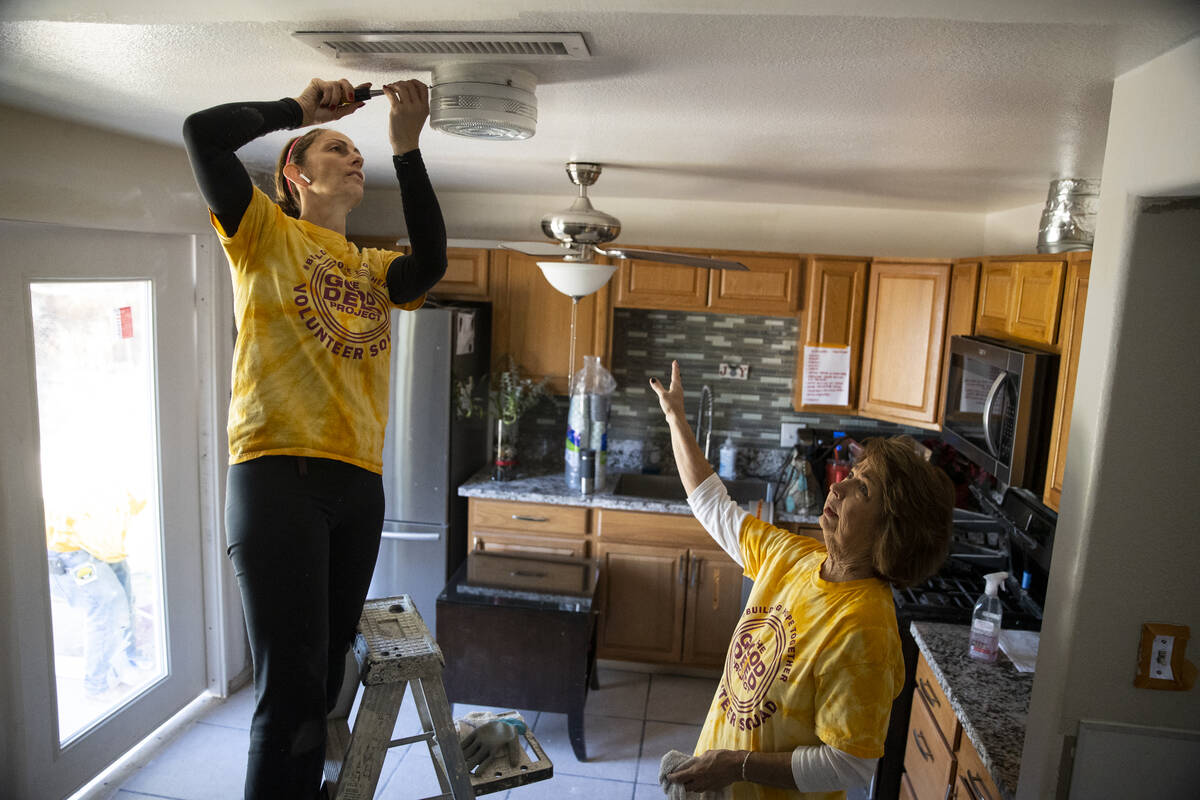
303	538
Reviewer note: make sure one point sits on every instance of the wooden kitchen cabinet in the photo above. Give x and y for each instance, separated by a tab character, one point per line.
467	269
642	594
502	526
712	607
1020	298
930	763
667	596
904	341
973	781
960	315
771	287
654	285
531	321
835	290
1079	267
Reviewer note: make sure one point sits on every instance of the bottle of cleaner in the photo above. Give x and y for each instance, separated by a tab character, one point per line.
985	620
728	463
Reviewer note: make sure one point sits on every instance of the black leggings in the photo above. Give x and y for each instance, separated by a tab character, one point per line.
303	538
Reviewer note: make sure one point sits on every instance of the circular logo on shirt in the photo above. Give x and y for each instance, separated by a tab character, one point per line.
348	314
761	653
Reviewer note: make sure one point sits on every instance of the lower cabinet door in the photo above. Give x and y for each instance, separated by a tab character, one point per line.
928	760
714	604
643	589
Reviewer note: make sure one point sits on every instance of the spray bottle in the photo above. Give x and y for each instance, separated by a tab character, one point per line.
985	620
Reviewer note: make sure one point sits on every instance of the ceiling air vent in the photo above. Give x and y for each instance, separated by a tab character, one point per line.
428	47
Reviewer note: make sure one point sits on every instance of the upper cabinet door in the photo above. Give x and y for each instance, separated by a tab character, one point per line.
960	314
1020	298
905	331
1074	303
834	299
650	284
996	282
531	321
466	275
771	287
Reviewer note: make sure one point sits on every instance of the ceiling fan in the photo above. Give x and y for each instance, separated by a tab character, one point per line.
581	231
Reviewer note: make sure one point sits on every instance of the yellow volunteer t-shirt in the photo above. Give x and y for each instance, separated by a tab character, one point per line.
810	662
312	359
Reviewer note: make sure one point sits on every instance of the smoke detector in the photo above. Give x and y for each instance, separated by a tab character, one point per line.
483	101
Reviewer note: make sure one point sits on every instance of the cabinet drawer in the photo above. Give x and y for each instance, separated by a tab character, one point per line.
935	700
927	758
507	515
639	527
536	574
537	544
974	782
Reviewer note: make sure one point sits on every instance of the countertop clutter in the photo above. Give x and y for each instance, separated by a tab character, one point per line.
551	487
990	700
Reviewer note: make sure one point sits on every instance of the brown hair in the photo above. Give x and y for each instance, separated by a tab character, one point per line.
292	153
918	508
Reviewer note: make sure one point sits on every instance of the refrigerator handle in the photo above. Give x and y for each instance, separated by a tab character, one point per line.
412	537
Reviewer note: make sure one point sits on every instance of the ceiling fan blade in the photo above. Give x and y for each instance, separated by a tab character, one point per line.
671	258
547	249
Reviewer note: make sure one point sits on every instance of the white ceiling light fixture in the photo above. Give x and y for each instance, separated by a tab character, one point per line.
483	101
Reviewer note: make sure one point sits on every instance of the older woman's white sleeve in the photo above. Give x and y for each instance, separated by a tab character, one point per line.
719	515
821	768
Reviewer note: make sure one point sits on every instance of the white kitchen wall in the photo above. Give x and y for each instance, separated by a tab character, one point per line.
701	223
1126	548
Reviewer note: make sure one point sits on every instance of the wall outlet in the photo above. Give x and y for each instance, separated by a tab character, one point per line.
788	431
736	371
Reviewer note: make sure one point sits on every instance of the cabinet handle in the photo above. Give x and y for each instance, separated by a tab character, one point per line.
523	518
922	746
970	793
927	693
682	570
978	787
518	573
695	572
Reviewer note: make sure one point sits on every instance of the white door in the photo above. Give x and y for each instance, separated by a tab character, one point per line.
100	588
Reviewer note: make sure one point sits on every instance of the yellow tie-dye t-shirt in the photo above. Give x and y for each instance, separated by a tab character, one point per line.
313	354
811	661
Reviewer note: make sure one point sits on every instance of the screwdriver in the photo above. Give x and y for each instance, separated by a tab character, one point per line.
361	94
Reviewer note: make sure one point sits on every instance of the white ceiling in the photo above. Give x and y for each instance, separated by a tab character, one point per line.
968	105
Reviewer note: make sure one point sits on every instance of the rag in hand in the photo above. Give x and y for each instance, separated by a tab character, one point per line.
675	760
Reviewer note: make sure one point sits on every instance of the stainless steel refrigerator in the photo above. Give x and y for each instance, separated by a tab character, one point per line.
428	450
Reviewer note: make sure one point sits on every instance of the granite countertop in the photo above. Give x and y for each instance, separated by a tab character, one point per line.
551	487
991	700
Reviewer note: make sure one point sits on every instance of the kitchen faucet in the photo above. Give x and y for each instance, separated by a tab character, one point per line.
704	420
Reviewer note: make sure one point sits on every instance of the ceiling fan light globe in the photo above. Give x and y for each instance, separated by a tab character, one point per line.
575	279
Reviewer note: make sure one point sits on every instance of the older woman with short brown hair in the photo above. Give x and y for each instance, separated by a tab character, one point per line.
814	664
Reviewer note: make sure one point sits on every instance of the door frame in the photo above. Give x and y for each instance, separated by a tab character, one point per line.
30	754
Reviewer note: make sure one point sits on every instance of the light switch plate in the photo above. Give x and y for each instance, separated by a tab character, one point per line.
788	431
1161	662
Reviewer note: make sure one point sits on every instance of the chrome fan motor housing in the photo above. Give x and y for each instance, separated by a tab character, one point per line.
581	224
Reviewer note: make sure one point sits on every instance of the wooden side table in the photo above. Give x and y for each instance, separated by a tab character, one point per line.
519	649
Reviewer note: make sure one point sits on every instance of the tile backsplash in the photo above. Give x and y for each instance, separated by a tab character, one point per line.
749	411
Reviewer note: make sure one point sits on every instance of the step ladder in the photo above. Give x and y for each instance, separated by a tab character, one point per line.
395	650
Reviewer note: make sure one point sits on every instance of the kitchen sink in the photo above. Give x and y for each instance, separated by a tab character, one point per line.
668	487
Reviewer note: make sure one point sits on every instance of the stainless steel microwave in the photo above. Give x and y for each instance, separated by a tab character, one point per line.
999	407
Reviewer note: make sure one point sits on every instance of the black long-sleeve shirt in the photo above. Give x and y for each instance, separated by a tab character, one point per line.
213	136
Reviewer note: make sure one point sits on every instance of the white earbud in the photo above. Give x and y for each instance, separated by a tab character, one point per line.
307	179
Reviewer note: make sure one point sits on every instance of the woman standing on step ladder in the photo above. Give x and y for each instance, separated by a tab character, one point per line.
310	390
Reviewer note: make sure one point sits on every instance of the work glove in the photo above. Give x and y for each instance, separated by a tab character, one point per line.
492	740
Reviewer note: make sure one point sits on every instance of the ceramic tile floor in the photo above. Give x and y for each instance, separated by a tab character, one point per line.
629	723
